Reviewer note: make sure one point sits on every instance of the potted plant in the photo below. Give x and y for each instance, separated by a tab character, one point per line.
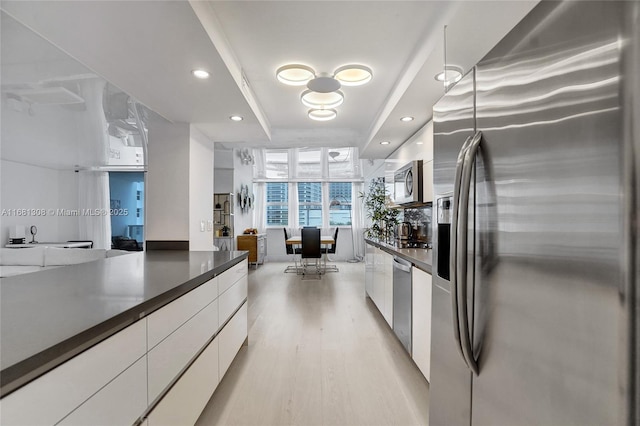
225	230
383	218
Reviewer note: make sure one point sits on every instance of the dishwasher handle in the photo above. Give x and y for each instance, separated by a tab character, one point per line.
402	264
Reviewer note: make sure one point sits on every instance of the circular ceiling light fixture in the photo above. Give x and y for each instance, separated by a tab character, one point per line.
295	74
200	73
318	100
450	75
322	114
406	119
236	118
385	143
323	83
353	75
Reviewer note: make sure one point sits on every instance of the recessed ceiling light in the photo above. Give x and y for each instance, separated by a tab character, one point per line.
353	75
199	73
406	119
319	100
295	74
419	143
322	114
450	75
236	118
385	143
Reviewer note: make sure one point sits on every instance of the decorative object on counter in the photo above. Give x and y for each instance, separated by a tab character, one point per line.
33	230
383	218
250	231
225	230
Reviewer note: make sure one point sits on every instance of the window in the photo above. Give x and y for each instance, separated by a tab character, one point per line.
276	164
309	163
340	204
277	204
310	204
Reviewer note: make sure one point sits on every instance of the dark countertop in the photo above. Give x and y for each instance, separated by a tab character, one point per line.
50	316
421	258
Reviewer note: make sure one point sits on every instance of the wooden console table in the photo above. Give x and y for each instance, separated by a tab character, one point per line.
255	244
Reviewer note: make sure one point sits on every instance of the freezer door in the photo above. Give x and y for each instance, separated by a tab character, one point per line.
551	325
450	385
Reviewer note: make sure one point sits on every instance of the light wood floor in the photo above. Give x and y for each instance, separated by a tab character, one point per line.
319	353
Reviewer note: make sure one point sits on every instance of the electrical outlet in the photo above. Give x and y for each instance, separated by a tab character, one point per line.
209	225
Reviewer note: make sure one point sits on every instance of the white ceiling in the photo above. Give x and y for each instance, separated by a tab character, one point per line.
148	48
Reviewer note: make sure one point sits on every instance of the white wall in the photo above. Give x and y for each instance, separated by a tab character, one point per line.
201	183
38	150
167	186
24	186
242	175
222	180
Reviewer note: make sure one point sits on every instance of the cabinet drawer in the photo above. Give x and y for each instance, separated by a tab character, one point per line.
230	276
121	402
231	338
168	318
231	299
184	403
51	397
169	357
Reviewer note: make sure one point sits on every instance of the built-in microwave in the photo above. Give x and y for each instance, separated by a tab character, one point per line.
407	184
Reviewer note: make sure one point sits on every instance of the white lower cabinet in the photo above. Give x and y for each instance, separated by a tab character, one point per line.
421	323
231	339
369	273
119	403
185	401
378	280
51	397
169	357
232	298
387	265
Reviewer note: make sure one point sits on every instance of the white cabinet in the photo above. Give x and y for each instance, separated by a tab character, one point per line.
421	322
380	283
169	358
167	319
387	264
230	276
232	336
378	280
119	403
54	395
232	298
369	273
427	181
185	401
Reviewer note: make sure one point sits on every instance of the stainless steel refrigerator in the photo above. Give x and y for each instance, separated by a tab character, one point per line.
535	298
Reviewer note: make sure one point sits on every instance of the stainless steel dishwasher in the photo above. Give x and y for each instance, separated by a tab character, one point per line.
402	301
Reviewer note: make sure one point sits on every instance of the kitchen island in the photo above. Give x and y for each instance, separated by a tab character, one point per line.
57	325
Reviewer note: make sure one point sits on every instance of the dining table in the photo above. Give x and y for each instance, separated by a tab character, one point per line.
325	240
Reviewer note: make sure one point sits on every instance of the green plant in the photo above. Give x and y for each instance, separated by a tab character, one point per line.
383	218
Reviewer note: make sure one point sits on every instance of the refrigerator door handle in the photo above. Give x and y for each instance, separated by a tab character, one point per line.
453	241
462	230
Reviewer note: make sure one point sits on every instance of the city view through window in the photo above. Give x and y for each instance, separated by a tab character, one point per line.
310	203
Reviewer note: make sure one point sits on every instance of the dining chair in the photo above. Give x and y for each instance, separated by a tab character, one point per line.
332	250
311	248
295	251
